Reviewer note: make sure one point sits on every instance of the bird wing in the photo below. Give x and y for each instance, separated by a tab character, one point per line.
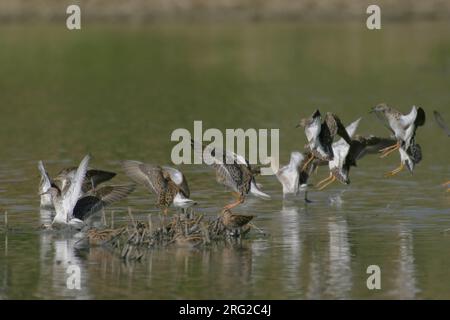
45	183
229	166
288	176
420	118
100	198
351	128
441	123
312	130
362	146
325	148
256	191
178	178
113	193
73	193
95	177
415	152
335	126
381	116
416	117
340	152
146	174
229	174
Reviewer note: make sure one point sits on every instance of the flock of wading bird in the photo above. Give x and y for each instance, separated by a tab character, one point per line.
75	196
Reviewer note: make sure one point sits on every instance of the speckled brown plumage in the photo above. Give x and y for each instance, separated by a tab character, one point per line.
168	184
234	221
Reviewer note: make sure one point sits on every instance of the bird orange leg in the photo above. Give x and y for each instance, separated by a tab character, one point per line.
239	201
395	171
387	151
333	179
311	157
325	180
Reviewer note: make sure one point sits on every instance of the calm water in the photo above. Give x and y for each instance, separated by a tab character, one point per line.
120	92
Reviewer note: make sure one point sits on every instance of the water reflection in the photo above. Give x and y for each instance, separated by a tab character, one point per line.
4	275
60	249
45	216
339	281
337	200
292	253
406	283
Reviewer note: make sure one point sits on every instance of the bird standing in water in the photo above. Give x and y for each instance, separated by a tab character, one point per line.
169	184
403	127
62	181
234	222
73	207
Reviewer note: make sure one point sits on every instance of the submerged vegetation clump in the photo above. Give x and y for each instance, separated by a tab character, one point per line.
191	231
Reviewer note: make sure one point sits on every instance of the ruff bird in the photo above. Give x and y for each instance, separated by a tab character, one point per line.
234	222
168	184
73	207
320	135
63	179
233	171
292	176
403	128
346	155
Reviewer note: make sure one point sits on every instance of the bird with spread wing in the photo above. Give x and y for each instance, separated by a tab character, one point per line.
62	181
403	128
73	207
168	184
233	171
346	155
320	135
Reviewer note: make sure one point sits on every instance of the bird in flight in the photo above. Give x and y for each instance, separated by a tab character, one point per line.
403	128
168	184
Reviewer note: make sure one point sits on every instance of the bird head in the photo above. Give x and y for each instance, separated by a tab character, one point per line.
302	123
53	192
382	107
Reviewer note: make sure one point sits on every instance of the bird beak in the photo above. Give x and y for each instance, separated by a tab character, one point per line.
42	193
298	125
